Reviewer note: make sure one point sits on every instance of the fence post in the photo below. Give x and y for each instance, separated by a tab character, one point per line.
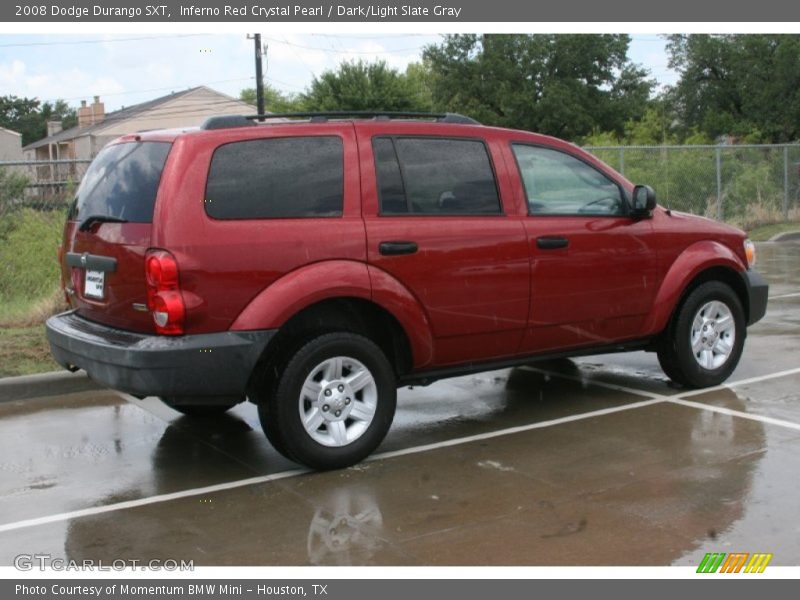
786	183
719	183
622	160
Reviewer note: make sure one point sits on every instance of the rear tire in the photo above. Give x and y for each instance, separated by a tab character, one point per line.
331	404
704	342
198	410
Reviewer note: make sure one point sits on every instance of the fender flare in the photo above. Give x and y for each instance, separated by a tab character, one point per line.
298	289
326	280
695	259
396	298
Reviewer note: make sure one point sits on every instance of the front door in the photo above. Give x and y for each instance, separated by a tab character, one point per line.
593	268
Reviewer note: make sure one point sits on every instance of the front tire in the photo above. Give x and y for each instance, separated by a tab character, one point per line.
332	403
704	342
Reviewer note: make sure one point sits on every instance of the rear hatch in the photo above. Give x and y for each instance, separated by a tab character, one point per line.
108	232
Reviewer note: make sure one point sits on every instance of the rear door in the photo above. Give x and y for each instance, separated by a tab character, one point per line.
433	208
108	232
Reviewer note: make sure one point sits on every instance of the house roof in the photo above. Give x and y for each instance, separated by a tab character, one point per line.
11	131
122	114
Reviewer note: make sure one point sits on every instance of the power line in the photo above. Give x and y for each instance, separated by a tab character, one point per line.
331	51
109	40
300	58
372	37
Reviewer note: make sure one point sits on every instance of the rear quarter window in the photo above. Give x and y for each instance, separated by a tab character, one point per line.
277	178
122	182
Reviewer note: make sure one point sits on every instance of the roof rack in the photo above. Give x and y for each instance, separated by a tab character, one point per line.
228	121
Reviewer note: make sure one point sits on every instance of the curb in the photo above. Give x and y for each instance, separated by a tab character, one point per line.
45	384
786	236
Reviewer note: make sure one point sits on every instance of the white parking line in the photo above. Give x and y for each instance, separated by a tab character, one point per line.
736	413
638	392
680	398
96	510
511	430
589	381
739	382
779	296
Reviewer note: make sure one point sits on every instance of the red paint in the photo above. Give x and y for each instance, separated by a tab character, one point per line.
127	242
478	288
164	298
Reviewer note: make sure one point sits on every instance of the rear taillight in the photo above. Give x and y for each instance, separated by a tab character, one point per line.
164	299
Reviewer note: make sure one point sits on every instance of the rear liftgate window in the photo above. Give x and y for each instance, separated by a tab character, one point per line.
434	176
277	178
122	182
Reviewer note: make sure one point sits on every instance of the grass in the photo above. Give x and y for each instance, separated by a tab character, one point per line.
765	232
24	350
29	277
29	289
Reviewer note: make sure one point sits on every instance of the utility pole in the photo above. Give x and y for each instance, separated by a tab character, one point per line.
259	77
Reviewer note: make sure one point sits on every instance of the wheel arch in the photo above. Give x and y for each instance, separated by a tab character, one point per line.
350	283
701	262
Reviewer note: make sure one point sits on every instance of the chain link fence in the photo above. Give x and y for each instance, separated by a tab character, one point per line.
746	185
40	185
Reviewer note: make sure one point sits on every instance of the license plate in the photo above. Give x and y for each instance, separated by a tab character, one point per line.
94	283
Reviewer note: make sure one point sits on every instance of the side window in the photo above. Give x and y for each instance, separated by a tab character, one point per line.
277	178
435	176
559	184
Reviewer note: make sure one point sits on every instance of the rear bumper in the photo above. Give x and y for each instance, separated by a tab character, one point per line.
758	293
212	364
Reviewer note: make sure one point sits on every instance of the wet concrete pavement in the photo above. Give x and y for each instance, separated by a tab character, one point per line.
609	464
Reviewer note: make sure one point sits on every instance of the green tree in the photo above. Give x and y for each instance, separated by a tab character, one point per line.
275	101
653	129
743	85
29	116
368	86
563	85
658	126
418	77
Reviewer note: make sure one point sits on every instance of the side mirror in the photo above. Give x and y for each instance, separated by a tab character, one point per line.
644	201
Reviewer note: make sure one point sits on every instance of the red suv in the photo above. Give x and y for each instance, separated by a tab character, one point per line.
312	264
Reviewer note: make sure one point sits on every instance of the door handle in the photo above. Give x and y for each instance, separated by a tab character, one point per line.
550	242
395	248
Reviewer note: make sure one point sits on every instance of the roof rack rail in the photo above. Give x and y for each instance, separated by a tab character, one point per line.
321	117
227	121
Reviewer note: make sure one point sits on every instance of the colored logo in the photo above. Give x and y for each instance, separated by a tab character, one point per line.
735	562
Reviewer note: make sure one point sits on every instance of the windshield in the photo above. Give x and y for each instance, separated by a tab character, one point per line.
122	182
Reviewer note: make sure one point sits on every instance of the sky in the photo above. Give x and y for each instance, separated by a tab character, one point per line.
128	69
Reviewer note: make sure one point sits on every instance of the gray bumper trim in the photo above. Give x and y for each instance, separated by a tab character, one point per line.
758	294
210	364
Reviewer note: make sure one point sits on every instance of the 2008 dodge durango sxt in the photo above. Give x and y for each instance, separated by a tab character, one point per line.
314	263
